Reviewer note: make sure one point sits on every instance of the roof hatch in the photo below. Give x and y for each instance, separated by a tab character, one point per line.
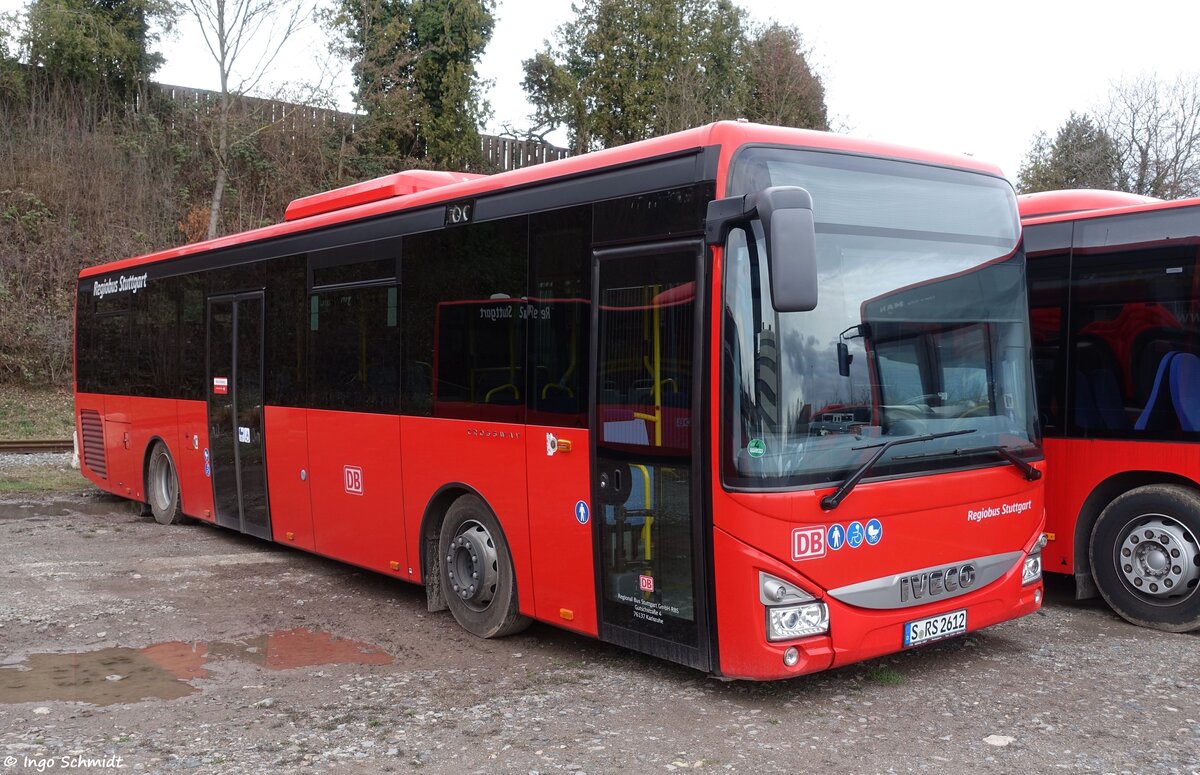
388	187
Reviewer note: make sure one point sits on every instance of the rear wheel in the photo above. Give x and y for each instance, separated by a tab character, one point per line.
162	487
477	572
1145	555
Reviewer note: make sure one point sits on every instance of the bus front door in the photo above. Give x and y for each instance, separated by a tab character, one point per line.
235	413
650	533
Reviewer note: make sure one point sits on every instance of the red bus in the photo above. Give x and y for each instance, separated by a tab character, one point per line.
597	393
1114	297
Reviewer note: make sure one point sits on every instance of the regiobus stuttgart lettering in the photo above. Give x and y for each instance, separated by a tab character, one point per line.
506	312
122	284
987	512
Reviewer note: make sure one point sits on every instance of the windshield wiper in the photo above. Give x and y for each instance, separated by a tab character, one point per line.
1006	452
833	500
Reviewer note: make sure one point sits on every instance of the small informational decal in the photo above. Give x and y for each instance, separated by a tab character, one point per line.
582	513
646	583
206	457
207	468
243	434
220	386
837	537
855	534
756	448
874	531
353	478
551	444
808	542
459	213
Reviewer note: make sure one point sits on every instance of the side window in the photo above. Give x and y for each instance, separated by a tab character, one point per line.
111	354
1048	274
355	345
153	347
287	323
1135	342
193	342
900	372
465	315
560	317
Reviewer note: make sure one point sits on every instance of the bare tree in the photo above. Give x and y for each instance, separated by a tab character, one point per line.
1155	125
234	30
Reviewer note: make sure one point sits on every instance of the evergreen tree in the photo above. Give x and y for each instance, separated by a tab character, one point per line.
99	46
1082	155
625	70
414	71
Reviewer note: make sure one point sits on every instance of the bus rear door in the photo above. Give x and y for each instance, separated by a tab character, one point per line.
235	413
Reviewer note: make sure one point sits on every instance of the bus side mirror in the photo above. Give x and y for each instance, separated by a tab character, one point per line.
787	218
844	359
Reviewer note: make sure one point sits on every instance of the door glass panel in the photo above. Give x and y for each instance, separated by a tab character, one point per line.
643	439
249	397
221	433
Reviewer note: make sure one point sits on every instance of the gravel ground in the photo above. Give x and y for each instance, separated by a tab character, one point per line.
34	460
190	649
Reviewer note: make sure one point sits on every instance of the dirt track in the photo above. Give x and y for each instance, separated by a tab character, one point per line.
190	649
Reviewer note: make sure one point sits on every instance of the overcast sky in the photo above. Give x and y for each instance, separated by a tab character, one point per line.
968	76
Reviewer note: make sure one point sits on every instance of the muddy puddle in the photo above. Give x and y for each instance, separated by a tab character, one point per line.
22	510
162	671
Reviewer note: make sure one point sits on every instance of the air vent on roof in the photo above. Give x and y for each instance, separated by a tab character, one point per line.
387	187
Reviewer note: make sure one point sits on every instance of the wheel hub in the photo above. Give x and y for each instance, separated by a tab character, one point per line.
1159	557
472	566
162	482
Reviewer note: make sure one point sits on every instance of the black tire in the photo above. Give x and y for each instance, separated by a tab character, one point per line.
1145	555
477	571
162	487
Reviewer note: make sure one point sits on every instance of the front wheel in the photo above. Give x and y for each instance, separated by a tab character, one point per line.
477	572
1146	557
162	487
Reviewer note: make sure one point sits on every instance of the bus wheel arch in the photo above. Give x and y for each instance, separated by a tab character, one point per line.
1144	554
161	486
431	530
467	565
1097	500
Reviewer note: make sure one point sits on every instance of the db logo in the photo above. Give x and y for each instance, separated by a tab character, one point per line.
808	542
646	583
354	480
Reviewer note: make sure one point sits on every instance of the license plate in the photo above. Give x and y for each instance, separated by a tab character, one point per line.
935	627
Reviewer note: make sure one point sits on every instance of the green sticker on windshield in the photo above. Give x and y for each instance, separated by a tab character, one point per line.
756	448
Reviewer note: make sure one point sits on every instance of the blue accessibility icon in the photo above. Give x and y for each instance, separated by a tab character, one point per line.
206	454
855	535
874	531
582	514
836	538
207	469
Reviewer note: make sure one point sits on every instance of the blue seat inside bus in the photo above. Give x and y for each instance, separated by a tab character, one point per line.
1185	390
1173	400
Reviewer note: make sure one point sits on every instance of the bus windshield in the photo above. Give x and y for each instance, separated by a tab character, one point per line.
920	327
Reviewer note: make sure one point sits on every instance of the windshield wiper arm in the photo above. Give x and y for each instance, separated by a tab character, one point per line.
833	500
1031	474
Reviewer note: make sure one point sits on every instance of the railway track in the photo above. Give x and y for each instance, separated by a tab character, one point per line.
28	446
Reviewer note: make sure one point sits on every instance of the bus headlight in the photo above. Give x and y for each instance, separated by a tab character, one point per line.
791	612
1033	563
1033	569
797	621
